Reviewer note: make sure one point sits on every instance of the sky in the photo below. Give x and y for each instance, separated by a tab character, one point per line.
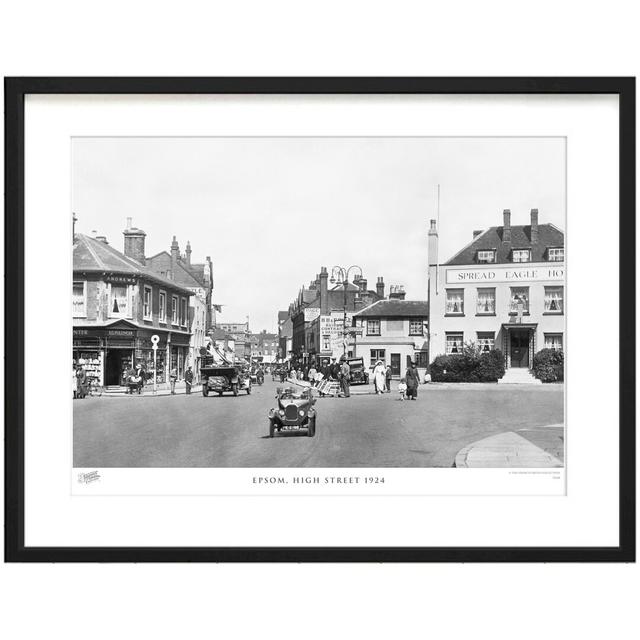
272	211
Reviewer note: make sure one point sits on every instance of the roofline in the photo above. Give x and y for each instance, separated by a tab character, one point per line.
150	276
373	304
466	246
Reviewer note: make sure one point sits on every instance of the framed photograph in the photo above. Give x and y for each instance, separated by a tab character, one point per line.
320	319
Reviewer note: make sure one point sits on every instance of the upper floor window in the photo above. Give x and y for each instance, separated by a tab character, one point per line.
519	300
556	254
487	255
373	327
455	301
79	300
120	301
174	309
183	312
162	307
554	300
416	327
521	255
146	306
486	301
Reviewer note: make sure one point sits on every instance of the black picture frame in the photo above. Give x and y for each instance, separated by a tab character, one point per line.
15	91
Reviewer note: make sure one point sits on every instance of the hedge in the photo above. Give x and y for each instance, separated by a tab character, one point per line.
548	365
469	366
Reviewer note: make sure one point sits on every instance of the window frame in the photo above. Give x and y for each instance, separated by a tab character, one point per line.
555	334
416	321
84	298
550	249
145	315
174	310
370	322
373	360
486	335
551	312
162	309
447	335
183	312
485	313
129	312
479	260
525	312
513	254
446	302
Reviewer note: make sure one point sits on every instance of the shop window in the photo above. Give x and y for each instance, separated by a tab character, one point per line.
119	301
521	255
556	254
416	327
455	302
373	327
162	307
486	301
146	307
487	256
554	300
519	301
174	309
79	300
377	354
553	341
486	341
454	343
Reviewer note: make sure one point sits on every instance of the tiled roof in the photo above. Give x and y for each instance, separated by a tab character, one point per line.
93	256
282	316
395	309
548	236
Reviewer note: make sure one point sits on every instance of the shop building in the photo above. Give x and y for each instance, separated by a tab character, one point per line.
239	332
504	290
119	304
285	334
394	331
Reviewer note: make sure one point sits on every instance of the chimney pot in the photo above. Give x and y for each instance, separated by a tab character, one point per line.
506	227
380	287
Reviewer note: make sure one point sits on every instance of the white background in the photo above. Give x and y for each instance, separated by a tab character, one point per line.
333	38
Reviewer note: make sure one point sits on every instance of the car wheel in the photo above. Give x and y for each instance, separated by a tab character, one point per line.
311	427
272	428
205	390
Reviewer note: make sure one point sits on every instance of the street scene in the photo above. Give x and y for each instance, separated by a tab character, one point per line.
261	343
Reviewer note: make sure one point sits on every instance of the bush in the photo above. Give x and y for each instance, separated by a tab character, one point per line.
469	366
548	365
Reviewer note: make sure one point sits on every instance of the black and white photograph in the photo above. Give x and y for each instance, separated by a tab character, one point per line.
318	302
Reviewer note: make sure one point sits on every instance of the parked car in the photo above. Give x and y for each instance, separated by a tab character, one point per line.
294	412
359	373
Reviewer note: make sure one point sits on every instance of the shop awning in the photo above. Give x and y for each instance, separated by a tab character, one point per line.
519	325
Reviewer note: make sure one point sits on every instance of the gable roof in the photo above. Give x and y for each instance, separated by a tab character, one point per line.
548	236
94	256
182	274
395	309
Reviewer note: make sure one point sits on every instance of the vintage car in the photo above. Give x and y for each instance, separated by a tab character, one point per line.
294	412
218	379
359	374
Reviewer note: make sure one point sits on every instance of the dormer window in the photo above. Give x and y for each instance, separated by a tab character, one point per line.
521	255
556	254
486	256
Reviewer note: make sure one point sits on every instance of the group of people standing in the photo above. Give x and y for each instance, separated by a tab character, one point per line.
408	386
337	371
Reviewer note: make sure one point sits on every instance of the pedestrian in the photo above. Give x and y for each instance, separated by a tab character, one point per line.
402	388
173	376
379	377
81	376
334	369
74	381
325	370
413	380
139	376
312	375
387	378
345	373
188	380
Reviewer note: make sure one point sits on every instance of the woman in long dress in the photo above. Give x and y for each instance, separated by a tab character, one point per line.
379	377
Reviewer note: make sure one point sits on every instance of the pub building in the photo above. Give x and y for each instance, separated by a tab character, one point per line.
119	304
504	290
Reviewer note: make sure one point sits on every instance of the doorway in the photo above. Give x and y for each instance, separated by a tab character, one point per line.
519	348
395	364
114	367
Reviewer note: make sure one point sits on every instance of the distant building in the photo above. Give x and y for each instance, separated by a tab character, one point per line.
285	334
504	290
119	303
239	331
264	347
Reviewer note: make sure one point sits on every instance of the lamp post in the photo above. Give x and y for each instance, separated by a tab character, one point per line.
342	274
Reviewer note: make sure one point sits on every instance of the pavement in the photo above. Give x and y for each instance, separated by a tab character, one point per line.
362	431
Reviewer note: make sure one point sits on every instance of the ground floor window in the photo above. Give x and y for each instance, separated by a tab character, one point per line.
377	354
422	359
454	343
486	340
553	341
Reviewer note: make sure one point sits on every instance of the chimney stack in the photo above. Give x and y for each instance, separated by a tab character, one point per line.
534	226
134	243
433	244
506	227
380	287
188	253
362	283
324	291
175	255
476	233
396	292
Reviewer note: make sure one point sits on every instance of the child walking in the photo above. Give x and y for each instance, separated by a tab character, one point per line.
402	388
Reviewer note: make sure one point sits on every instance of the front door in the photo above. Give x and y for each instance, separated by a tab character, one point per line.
113	369
519	348
395	364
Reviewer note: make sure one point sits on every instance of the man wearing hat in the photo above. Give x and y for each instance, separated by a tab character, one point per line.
345	374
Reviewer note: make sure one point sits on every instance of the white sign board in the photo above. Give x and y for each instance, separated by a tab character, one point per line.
537	273
311	314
